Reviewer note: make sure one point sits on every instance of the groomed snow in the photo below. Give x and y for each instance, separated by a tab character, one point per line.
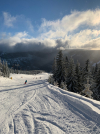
40	108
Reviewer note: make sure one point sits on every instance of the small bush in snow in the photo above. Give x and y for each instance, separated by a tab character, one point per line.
63	85
51	80
56	83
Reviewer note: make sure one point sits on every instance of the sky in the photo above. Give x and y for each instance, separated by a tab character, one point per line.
38	24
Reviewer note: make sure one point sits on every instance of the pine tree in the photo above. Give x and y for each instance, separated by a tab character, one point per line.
88	74
66	62
96	90
96	68
0	67
5	69
93	71
65	67
79	81
71	79
60	72
87	92
54	69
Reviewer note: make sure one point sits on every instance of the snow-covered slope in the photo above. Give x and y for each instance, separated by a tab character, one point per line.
40	108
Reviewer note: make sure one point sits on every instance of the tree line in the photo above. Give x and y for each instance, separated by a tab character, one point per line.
75	78
4	69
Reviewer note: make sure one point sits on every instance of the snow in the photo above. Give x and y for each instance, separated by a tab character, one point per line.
96	63
41	108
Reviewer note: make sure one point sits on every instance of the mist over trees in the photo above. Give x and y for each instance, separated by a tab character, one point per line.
72	77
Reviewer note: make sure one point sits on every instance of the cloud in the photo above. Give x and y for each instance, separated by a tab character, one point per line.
76	30
8	19
3	35
12	40
83	37
31	28
21	42
93	45
69	23
17	21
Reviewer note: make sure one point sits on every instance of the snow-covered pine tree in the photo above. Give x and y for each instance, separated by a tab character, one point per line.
79	80
87	92
56	84
5	69
96	68
63	85
0	67
71	78
93	71
87	74
60	73
54	69
11	70
66	61
66	67
96	90
96	78
51	80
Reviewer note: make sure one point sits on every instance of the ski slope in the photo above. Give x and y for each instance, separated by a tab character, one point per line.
40	108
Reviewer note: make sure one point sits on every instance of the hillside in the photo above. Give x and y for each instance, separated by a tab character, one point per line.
40	108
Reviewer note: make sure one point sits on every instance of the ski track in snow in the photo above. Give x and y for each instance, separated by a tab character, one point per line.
41	108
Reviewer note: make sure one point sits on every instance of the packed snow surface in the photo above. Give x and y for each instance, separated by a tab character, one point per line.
40	108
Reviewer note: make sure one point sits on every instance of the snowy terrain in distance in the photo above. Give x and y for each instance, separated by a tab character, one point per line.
40	108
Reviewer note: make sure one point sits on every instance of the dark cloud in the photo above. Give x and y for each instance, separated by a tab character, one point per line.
5	47
60	43
32	46
42	55
23	47
90	46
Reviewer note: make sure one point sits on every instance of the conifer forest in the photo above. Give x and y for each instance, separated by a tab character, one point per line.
75	78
